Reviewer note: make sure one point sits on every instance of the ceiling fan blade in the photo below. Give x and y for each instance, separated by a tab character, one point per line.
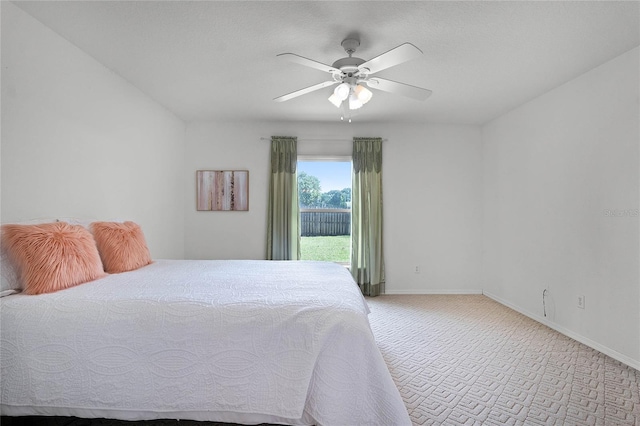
304	91
399	88
292	57
403	53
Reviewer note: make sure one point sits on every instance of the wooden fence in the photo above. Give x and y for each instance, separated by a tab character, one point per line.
325	223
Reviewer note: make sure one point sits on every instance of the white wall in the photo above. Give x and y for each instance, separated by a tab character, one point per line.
432	207
79	141
554	170
432	196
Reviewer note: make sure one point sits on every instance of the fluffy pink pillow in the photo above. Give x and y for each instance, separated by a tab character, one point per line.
122	246
52	256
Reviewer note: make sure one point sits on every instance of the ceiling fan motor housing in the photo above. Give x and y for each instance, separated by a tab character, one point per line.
349	65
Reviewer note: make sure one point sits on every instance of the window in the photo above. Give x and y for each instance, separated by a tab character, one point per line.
324	191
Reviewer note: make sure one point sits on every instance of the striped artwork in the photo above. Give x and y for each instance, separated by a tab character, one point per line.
222	190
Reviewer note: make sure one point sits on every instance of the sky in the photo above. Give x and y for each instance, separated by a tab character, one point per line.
332	174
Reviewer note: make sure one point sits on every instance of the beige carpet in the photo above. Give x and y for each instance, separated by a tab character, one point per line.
467	360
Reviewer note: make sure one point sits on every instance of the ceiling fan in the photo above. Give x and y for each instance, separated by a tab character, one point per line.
351	74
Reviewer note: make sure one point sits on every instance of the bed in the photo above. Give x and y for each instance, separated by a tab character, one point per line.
217	340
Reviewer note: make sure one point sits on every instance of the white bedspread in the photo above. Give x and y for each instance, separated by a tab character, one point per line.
231	341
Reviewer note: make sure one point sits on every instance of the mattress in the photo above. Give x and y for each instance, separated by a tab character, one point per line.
231	340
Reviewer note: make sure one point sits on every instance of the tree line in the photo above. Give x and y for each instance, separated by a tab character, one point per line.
311	196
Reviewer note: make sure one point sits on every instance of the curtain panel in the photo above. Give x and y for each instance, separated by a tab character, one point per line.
367	262
283	216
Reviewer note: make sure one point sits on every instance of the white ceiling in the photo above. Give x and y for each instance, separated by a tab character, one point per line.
217	60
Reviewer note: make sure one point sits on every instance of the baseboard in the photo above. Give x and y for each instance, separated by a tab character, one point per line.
428	291
575	336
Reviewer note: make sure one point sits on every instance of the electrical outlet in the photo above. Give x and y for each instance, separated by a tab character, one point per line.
417	270
581	302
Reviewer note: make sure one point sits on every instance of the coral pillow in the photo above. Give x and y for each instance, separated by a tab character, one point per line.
51	256
122	246
9	279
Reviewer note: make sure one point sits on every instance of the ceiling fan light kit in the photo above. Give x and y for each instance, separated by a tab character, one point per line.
334	99
342	91
358	95
363	93
354	102
351	74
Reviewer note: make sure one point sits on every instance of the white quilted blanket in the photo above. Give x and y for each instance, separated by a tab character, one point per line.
232	341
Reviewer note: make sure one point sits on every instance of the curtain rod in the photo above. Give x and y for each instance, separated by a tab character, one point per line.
319	140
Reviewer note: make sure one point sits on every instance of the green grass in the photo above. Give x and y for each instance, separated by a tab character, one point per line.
332	249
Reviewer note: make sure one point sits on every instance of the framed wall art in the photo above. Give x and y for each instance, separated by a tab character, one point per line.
222	190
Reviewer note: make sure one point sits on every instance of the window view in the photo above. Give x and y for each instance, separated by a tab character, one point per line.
324	190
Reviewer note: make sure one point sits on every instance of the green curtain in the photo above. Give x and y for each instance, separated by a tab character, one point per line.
367	262
283	226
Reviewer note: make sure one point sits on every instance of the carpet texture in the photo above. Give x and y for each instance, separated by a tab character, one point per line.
467	360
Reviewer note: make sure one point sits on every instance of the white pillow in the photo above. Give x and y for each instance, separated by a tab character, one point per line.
9	283
76	221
